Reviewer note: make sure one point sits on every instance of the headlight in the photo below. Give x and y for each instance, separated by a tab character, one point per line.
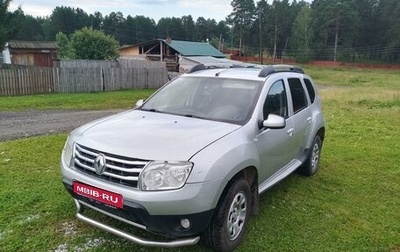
164	175
67	152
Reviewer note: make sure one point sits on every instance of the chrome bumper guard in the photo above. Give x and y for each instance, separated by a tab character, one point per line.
130	237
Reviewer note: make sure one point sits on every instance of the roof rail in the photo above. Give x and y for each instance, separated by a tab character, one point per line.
279	68
266	70
205	66
196	68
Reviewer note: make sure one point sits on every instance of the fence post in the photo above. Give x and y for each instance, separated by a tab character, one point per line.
103	87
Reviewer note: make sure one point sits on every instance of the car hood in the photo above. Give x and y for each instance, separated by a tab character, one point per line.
151	135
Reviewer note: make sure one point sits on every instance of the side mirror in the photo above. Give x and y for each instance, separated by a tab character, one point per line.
139	103
274	122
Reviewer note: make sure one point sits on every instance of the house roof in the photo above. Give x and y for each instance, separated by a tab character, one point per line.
150	42
188	48
32	44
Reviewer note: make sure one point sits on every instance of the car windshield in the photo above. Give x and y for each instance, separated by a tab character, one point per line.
220	99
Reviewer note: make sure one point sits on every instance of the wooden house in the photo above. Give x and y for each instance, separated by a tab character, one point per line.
32	53
169	51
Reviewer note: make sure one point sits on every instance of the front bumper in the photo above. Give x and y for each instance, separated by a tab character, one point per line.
133	238
136	215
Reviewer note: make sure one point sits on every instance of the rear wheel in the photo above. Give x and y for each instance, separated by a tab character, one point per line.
310	166
226	229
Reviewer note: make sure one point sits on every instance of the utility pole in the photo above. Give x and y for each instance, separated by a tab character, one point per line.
220	43
231	41
261	47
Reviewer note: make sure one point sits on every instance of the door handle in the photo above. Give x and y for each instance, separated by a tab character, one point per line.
309	120
290	132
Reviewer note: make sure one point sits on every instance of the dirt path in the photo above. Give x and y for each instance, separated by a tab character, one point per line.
14	125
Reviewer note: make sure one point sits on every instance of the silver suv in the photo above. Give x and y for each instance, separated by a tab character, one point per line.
189	163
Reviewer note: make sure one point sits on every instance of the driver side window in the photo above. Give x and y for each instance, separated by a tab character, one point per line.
276	101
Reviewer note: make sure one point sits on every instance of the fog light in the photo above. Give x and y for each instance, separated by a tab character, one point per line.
185	223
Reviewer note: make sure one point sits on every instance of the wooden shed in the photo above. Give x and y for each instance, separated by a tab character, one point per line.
169	50
32	53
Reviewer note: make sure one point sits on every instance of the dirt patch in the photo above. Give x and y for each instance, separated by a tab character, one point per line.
16	125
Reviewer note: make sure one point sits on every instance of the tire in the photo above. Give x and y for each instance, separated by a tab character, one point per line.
230	219
310	166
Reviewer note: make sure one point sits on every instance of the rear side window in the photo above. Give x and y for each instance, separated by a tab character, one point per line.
298	94
310	90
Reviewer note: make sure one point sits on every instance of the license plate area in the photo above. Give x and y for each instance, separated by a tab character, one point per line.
97	194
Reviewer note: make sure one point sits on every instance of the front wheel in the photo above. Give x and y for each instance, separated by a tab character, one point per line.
227	227
310	166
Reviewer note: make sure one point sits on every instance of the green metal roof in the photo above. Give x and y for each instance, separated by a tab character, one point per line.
188	48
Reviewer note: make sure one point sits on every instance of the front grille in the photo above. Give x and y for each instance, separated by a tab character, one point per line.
119	170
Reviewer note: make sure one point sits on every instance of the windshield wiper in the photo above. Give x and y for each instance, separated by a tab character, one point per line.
152	110
193	116
164	112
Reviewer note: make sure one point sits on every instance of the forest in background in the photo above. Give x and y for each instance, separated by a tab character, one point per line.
342	30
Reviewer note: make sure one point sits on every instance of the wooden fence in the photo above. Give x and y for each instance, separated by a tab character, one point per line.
120	62
82	80
74	79
25	81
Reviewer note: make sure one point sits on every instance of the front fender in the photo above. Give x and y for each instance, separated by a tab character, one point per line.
222	160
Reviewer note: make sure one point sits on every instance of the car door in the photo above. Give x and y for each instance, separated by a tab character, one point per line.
302	117
276	147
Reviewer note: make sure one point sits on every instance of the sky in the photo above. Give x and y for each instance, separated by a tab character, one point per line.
155	9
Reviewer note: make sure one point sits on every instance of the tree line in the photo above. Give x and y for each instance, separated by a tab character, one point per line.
345	30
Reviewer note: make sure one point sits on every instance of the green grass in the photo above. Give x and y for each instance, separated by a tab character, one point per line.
351	204
90	101
354	77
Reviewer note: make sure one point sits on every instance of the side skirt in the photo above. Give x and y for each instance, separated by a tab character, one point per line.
279	175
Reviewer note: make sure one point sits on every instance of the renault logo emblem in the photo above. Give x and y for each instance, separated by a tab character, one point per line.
100	164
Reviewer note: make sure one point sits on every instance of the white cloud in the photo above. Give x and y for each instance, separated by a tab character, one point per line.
96	5
40	10
155	9
218	9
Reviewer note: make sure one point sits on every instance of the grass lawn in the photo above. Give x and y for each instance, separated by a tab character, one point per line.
351	204
91	101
